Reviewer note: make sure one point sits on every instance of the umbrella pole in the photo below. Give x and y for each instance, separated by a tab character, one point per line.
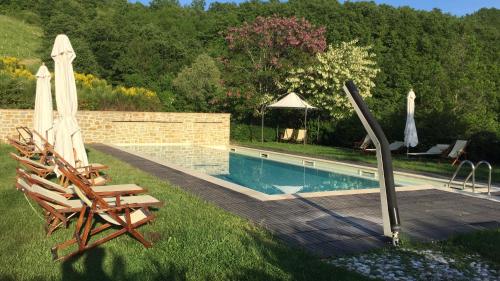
262	125
305	125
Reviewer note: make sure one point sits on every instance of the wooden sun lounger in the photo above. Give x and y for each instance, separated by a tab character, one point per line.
92	171
68	192
25	135
60	209
458	151
287	135
436	150
34	166
393	147
57	210
364	144
127	216
301	135
24	149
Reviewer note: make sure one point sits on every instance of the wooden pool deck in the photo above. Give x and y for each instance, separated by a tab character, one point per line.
336	225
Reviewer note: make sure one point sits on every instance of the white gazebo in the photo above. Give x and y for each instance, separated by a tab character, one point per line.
290	101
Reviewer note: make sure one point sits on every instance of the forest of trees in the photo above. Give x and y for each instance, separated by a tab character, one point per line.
220	59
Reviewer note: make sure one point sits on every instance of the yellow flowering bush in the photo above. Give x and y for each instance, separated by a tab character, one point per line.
13	67
94	93
88	80
133	91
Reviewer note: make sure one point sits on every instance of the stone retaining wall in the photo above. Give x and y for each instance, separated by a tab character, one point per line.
122	127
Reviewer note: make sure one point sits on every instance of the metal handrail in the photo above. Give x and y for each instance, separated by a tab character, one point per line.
489	176
465	181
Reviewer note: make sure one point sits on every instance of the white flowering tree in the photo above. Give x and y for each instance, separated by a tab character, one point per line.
322	82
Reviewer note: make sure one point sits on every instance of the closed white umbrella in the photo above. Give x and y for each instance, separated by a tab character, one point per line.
43	118
68	137
411	137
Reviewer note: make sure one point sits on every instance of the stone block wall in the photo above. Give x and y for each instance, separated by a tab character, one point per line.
121	127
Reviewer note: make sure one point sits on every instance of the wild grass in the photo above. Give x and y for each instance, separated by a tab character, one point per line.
19	39
197	241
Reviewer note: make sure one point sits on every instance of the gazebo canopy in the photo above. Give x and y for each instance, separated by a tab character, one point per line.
291	100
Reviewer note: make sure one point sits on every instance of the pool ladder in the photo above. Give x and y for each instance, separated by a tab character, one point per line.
472	174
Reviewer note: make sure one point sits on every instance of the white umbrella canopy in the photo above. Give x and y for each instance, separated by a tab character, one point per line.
43	118
68	137
411	137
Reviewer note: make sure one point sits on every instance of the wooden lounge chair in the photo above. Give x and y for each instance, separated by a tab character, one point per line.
36	167
68	192
301	135
43	170
92	171
59	209
436	150
24	149
393	147
363	144
25	135
287	135
128	216
457	151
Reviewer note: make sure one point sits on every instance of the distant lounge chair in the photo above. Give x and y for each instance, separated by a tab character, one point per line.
436	150
118	212
287	135
393	147
458	150
301	135
364	144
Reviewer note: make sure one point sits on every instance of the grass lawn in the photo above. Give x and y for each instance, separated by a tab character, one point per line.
400	162
198	241
485	243
19	39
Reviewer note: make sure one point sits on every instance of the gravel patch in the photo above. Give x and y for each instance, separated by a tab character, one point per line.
406	264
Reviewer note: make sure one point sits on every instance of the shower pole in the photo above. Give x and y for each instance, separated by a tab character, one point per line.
390	212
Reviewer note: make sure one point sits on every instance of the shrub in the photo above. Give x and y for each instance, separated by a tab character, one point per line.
18	88
484	146
246	132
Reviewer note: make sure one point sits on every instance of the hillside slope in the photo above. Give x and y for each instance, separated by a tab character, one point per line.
19	39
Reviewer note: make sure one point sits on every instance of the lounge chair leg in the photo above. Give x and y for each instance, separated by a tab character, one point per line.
141	238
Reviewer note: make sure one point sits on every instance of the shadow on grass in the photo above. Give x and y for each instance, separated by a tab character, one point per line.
93	269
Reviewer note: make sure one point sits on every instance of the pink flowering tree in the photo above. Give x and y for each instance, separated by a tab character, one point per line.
261	52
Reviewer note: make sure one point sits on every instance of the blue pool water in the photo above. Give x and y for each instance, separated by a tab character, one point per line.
272	177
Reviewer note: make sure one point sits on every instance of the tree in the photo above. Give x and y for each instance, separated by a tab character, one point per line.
322	82
198	87
263	50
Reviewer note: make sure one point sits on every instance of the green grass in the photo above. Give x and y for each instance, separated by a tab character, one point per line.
198	241
19	39
485	243
400	162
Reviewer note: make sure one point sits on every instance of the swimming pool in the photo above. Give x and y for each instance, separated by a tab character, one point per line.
267	175
273	177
